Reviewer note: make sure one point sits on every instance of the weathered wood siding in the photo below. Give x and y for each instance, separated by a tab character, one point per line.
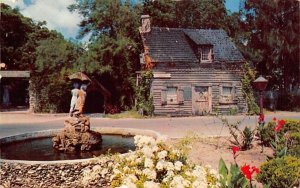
187	75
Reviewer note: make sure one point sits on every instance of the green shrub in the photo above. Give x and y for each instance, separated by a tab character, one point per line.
233	111
241	138
290	135
248	77
248	136
280	172
144	99
52	93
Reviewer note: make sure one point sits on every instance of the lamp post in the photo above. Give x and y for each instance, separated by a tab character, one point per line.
260	84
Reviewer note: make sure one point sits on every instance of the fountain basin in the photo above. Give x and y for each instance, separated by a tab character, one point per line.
114	138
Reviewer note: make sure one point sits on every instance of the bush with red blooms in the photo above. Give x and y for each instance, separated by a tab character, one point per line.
278	151
282	135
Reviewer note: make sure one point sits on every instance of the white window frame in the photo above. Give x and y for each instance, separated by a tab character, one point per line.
227	98
206	57
173	100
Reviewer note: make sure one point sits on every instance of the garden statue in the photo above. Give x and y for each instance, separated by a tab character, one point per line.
78	100
76	134
74	92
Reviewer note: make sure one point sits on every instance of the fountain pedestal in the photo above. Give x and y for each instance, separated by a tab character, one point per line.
77	135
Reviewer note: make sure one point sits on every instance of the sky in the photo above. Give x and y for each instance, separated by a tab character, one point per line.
58	17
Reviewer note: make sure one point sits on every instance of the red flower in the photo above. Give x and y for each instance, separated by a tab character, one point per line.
279	125
274	119
278	128
249	171
235	149
246	171
281	122
254	169
261	118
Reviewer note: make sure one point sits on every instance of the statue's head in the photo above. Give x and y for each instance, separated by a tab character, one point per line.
83	87
76	85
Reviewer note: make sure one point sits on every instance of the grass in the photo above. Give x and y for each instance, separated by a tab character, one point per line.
127	114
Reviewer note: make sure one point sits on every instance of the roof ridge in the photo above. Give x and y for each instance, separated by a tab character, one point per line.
182	29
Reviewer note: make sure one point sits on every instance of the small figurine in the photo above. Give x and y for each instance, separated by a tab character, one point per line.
78	109
74	98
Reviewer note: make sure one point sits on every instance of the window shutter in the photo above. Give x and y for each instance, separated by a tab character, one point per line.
164	96
233	92
180	95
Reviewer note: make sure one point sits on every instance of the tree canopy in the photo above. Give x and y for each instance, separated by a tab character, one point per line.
275	39
112	54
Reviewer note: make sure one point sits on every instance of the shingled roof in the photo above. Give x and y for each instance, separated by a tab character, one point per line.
172	44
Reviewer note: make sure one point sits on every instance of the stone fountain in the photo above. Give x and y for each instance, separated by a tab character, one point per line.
76	134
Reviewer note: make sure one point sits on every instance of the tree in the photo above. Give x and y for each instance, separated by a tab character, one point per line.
29	45
114	45
54	62
14	29
19	38
274	40
206	14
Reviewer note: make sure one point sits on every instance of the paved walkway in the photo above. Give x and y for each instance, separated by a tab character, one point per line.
20	122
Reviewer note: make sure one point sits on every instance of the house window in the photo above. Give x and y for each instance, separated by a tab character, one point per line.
172	95
227	94
206	54
227	91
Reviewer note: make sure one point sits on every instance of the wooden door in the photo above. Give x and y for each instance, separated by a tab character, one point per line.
201	100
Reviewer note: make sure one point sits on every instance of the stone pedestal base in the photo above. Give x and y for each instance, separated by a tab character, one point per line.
77	135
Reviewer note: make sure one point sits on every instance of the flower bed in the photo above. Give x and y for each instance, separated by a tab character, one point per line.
155	164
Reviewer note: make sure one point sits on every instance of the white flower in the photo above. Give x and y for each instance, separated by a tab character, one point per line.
151	184
188	173
131	157
148	163
141	141
123	186
138	160
214	173
97	168
126	169
169	166
199	172
147	152
199	184
160	165
169	176
179	182
162	155
155	148
207	166
116	171
176	152
131	178
151	174
128	185
178	165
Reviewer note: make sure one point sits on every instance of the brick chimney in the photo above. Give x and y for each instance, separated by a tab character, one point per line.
146	27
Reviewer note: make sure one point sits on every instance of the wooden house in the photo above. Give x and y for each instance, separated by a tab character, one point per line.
196	71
